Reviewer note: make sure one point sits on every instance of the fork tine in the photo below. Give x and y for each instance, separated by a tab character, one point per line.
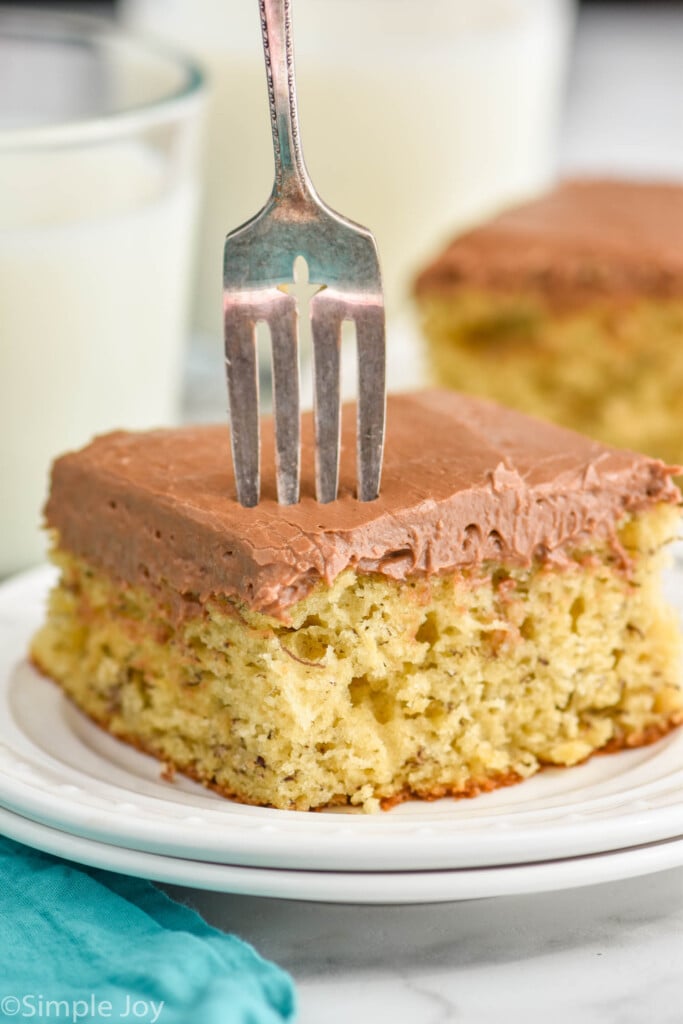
242	372
370	338
326	328
283	333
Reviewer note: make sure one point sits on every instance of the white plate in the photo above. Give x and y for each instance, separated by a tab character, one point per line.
352	886
60	770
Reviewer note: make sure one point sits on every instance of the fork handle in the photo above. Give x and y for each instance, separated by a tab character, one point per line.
291	176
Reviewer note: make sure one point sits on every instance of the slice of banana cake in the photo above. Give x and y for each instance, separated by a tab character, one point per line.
497	609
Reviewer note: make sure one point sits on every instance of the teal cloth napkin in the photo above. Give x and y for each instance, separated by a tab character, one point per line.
84	946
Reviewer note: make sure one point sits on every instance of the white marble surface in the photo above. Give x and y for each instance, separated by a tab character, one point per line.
608	954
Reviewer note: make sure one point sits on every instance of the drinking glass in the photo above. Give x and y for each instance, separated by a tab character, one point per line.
99	185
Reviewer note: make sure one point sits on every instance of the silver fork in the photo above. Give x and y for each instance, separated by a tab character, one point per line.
258	261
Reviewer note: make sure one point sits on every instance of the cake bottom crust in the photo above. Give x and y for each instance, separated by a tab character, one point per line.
475	787
471	788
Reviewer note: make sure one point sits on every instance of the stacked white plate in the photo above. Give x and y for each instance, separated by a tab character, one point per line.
70	789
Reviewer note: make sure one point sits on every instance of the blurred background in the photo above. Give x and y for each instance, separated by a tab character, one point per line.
418	119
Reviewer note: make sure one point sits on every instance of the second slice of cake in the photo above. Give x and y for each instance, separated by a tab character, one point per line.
497	609
570	307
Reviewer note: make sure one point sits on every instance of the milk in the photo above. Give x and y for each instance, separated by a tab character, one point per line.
95	251
418	116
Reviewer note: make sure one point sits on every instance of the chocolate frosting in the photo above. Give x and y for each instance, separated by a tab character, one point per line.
585	240
464	481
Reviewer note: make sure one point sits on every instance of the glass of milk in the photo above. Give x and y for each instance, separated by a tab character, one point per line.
99	143
418	116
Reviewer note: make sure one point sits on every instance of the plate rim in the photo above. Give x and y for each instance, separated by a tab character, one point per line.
356	888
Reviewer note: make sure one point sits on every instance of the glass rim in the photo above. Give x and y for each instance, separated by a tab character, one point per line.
172	105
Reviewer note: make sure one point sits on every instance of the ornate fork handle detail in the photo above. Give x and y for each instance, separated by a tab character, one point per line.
291	176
